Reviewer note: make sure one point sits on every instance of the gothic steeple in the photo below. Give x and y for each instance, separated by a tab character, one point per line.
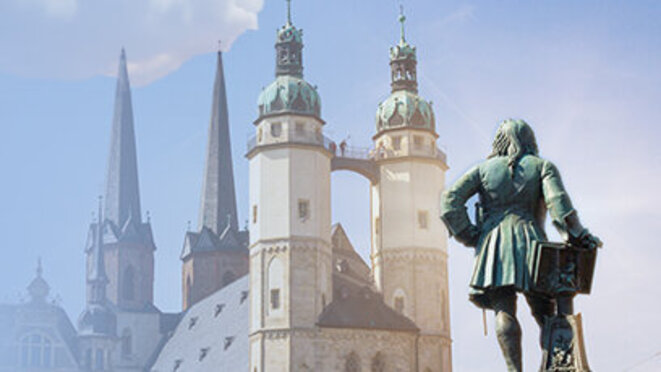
96	276
122	191
218	206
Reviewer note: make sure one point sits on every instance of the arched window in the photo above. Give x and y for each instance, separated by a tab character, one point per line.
98	360
275	275
128	287
352	363
228	278
399	301
36	351
378	363
127	343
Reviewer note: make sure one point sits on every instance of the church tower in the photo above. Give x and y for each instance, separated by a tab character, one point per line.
290	247
129	246
409	241
97	325
217	254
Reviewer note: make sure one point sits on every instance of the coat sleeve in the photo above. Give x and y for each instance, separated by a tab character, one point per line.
453	206
556	198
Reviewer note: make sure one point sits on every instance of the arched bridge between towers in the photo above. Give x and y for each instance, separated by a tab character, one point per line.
357	160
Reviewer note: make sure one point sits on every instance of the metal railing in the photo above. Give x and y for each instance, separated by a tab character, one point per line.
308	137
304	137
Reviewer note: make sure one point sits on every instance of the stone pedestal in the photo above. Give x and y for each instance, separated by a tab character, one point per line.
563	347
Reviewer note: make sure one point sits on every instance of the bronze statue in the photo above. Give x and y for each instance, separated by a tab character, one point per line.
516	188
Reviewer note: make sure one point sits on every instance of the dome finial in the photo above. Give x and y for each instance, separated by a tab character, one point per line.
288	12
402	20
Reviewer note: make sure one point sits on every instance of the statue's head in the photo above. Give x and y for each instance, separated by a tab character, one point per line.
514	139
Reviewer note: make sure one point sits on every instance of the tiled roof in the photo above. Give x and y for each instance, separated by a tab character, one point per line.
355	306
212	335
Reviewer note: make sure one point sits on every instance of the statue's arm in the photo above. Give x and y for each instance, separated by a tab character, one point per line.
563	214
453	208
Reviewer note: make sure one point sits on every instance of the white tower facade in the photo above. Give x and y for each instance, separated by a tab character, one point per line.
290	247
409	241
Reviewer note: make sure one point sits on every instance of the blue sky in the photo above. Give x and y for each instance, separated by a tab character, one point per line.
586	75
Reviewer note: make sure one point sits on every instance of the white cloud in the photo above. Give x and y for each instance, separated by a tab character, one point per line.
69	39
62	9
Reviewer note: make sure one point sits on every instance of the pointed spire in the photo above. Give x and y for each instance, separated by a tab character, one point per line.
402	20
218	196
122	191
289	12
96	278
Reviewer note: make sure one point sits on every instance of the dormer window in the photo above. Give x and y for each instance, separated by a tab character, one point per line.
203	353
228	342
399	304
36	351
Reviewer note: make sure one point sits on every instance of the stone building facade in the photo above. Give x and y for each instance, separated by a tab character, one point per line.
290	292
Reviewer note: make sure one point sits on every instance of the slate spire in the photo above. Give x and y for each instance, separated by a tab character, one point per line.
218	205
96	277
122	191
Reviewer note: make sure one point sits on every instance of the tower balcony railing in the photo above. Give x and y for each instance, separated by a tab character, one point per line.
341	150
291	136
425	151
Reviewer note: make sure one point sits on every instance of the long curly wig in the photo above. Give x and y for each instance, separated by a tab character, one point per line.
514	139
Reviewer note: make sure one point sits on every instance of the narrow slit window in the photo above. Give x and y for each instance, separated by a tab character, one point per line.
417	142
397	143
303	209
275	298
423	220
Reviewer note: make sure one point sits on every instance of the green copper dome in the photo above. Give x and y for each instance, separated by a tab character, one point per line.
289	94
405	109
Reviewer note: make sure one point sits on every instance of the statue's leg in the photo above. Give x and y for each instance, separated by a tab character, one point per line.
508	330
541	307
